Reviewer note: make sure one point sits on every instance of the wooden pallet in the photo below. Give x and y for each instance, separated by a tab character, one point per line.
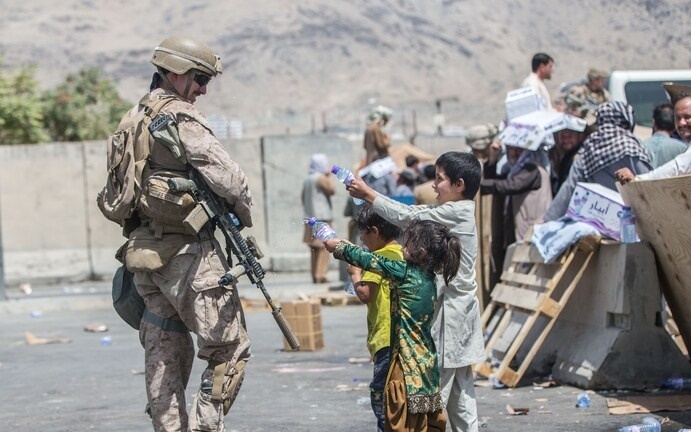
525	306
673	330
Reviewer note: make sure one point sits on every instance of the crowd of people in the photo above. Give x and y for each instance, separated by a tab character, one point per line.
416	271
535	186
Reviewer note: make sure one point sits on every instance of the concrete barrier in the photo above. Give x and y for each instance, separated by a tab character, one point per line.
52	229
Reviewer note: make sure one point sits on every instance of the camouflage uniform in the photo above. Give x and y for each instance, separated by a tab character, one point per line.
582	101
185	290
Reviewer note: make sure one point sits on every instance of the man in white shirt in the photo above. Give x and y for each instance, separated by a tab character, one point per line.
543	66
680	165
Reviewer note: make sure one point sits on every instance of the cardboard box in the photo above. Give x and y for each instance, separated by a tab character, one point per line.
521	101
531	130
305	318
597	206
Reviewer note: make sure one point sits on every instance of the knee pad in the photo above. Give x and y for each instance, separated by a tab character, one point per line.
227	380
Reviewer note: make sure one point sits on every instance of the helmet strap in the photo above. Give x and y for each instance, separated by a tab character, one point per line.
168	86
187	87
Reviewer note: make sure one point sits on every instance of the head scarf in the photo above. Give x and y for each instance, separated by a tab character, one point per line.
319	163
537	157
613	139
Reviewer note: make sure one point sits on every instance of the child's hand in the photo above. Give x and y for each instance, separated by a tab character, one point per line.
330	244
359	189
354	272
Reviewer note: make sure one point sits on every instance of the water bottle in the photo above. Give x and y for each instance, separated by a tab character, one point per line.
676	384
348	286
321	230
346	177
627	226
648	424
495	382
583	400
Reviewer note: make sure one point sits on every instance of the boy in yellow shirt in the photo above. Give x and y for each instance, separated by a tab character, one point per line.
380	237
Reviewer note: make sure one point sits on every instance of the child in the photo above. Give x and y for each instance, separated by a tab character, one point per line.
379	236
457	327
413	396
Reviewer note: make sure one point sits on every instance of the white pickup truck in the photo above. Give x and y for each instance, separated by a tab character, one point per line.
643	90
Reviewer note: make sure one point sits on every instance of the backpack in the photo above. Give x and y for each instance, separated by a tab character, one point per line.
126	161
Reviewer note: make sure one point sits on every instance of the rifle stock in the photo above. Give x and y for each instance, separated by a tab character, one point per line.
245	250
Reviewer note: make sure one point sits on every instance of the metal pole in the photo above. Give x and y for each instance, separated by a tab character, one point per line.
3	296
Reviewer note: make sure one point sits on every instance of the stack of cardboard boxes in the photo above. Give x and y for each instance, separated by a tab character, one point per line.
305	318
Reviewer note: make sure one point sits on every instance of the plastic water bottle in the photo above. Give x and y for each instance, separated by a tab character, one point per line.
321	230
346	177
495	382
627	226
349	287
648	424
676	384
583	400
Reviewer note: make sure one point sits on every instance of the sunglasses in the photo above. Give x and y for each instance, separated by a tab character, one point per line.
201	79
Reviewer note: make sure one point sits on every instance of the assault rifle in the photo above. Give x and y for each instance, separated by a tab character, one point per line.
245	250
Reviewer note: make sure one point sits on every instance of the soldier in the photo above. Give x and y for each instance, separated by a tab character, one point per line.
582	100
177	272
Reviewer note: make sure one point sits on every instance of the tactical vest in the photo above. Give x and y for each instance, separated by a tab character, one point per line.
165	210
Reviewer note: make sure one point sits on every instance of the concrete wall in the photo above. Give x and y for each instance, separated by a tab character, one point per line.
52	230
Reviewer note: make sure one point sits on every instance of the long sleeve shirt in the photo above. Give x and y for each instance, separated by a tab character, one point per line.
457	326
680	165
413	296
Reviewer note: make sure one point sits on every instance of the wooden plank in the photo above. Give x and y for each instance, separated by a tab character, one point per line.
517	297
662	208
526	279
586	257
496	335
526	253
508	377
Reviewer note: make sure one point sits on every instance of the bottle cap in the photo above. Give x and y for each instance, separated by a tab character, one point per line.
311	221
626	208
334	169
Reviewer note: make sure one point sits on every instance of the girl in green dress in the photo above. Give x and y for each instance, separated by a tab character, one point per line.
413	397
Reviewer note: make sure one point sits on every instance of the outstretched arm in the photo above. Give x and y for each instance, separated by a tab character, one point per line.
359	189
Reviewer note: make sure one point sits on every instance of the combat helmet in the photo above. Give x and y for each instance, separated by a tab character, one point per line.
180	54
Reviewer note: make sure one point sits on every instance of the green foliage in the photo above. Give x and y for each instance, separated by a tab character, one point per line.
85	107
21	109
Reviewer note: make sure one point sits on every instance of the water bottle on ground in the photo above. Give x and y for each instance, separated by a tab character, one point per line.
346	177
676	384
583	400
627	226
495	382
321	230
648	424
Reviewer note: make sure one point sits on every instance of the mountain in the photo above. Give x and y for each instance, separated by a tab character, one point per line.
291	65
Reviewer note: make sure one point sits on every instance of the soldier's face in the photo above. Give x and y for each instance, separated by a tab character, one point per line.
597	84
682	118
187	86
